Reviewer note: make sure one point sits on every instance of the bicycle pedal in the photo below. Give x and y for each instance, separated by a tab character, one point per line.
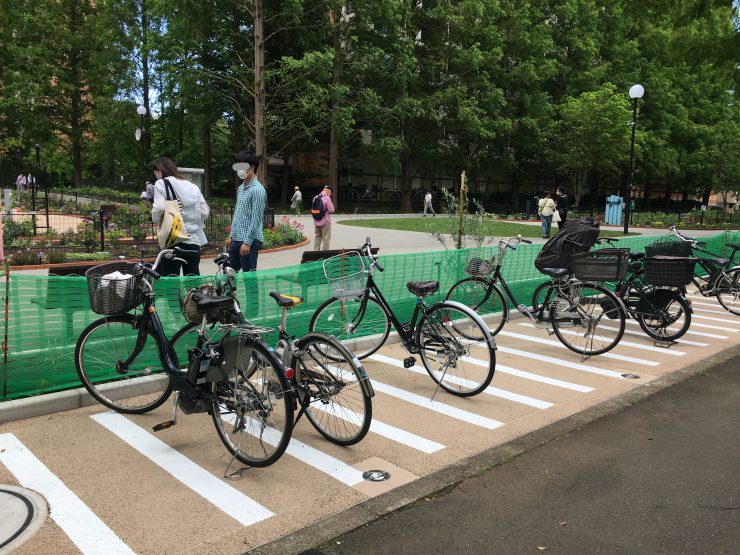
409	362
163	426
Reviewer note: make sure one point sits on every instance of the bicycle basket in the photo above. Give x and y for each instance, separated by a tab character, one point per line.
347	275
205	285
112	293
669	271
479	267
601	265
668	246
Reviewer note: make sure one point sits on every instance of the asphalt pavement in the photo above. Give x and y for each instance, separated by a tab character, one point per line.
659	476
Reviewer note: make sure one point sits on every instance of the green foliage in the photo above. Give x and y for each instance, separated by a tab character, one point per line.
459	228
285	232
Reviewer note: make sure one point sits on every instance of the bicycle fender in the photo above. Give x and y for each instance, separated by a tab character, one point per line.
475	316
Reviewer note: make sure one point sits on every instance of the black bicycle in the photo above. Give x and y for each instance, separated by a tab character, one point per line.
455	345
126	363
576	310
329	383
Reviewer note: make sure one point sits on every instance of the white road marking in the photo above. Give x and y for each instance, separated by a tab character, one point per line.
622	343
726	320
495	391
230	500
706	310
84	528
690	331
543	379
561	362
559	345
641	333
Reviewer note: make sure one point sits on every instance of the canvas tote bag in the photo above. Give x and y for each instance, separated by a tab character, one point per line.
172	229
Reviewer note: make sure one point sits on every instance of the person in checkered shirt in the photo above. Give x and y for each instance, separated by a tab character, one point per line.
246	238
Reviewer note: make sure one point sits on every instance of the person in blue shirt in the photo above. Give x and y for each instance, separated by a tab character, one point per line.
246	238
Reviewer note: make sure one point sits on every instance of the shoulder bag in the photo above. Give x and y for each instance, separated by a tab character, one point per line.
172	229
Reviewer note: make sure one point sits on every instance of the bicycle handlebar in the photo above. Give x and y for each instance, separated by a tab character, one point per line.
374	259
515	240
687	239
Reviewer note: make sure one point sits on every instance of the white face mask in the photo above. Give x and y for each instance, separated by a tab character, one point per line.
242	174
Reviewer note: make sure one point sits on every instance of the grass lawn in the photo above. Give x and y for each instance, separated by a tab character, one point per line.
493	228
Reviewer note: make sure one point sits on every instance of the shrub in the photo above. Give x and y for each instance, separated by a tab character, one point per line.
56	256
26	257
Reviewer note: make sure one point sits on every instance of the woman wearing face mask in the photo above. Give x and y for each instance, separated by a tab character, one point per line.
194	211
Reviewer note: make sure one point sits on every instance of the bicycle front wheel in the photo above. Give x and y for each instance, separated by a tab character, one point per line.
252	407
102	360
460	365
669	321
587	318
361	324
728	291
485	298
333	389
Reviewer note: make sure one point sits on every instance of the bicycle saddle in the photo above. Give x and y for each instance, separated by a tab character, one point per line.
720	261
636	255
207	303
422	288
555	272
286	301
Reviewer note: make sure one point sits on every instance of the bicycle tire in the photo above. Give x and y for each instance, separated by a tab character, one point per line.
252	408
100	351
728	291
485	298
540	295
666	324
342	319
596	305
459	365
191	330
330	389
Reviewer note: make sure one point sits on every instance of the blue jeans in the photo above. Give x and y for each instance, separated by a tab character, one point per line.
546	223
246	263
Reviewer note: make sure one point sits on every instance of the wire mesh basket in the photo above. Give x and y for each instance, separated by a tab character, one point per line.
669	271
111	294
668	246
209	286
346	274
601	265
479	267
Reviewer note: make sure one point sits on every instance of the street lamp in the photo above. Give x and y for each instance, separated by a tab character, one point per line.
141	110
636	92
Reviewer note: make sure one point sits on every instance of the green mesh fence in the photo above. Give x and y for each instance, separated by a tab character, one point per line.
45	315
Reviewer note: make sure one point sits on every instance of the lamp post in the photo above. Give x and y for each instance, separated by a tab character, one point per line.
32	184
141	110
636	92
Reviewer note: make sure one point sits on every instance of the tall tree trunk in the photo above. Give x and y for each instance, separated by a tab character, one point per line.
406	176
260	138
515	188
287	184
333	139
207	159
76	105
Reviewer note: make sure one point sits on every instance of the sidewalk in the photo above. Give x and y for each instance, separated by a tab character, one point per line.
659	476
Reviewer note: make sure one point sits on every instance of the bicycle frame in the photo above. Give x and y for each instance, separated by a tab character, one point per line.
406	333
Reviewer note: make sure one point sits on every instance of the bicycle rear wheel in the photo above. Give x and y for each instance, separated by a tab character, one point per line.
485	298
728	291
101	356
362	327
252	407
333	389
460	365
587	318
669	321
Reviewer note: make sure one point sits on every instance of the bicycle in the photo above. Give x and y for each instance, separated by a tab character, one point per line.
445	334
722	279
653	292
564	302
126	363
330	385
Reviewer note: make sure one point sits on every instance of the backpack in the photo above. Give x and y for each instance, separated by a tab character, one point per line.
317	207
557	252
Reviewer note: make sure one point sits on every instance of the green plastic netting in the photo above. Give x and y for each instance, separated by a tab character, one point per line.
45	315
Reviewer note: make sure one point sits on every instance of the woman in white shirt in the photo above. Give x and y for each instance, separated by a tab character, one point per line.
194	212
545	208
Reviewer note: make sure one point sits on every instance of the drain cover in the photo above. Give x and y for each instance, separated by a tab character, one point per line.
631	376
24	511
376	475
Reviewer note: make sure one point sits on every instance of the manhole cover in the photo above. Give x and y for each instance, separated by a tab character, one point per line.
24	511
631	376
376	475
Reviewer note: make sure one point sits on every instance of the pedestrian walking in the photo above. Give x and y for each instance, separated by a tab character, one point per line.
246	237
428	204
321	209
563	204
194	212
296	201
21	182
545	209
148	193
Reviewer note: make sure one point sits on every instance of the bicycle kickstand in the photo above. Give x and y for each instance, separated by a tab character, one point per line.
169	423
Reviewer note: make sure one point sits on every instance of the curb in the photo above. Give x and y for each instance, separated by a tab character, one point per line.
377	507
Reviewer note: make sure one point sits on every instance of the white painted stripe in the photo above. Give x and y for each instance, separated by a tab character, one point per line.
561	362
84	528
709	326
234	503
723	320
543	379
559	345
708	311
496	392
623	343
690	331
641	333
325	463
